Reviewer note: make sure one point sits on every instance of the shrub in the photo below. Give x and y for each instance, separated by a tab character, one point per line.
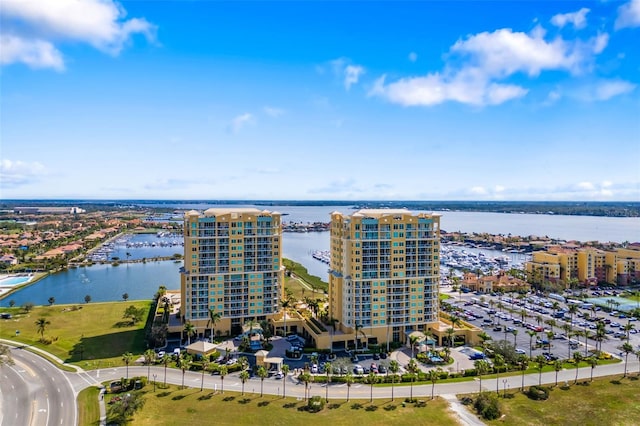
487	406
315	404
470	372
538	393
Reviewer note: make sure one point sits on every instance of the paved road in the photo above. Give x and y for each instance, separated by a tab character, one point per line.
34	392
359	391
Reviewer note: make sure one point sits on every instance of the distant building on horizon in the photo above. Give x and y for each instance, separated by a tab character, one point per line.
48	210
384	275
233	265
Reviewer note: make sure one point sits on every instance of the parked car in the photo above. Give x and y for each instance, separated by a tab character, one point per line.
358	369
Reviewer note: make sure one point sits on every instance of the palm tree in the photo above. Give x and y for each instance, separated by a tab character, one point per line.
205	365
482	366
371	379
498	362
262	373
358	327
557	365
450	335
348	379
285	371
149	357
412	341
42	324
515	333
627	348
567	330
523	363
190	330
223	372
413	369
126	358
433	376
286	304
484	337
541	361
244	376
214	317
244	362
627	329
394	367
185	363
531	334
577	357
327	369
165	361
305	377
593	362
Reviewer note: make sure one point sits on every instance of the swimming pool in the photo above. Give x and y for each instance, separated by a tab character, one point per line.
11	281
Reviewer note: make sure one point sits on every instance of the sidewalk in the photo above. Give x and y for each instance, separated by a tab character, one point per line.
41	351
465	417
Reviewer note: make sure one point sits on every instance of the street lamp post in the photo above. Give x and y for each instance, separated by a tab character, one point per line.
504	386
154	382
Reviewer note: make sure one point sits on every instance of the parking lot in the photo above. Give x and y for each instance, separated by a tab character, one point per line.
502	318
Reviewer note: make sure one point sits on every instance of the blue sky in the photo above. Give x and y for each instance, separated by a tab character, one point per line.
502	100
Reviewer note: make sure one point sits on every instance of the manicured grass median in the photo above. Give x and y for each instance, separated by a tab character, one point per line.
95	331
606	401
88	407
190	406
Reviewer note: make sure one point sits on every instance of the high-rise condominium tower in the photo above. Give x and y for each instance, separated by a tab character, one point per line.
232	265
384	274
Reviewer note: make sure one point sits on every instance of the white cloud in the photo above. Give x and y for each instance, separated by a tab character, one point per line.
467	87
273	112
628	15
577	19
504	52
479	190
34	53
348	73
479	62
99	23
351	75
18	173
585	185
413	56
241	121
603	90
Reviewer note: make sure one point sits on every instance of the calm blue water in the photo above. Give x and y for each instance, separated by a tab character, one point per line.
580	228
103	283
107	283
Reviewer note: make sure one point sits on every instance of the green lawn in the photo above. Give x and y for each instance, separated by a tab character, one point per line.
605	401
299	291
88	407
95	332
192	407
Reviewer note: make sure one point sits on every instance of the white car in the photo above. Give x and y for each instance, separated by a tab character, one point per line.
161	354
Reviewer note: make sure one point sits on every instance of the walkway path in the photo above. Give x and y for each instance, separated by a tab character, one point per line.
465	417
